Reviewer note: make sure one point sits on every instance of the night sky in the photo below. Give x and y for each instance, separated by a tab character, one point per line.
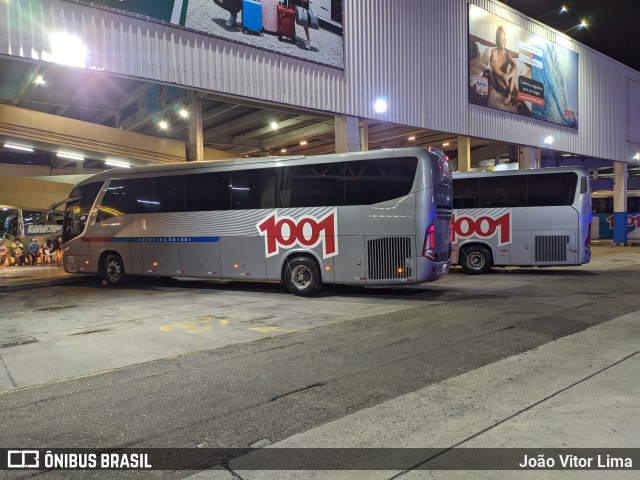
613	24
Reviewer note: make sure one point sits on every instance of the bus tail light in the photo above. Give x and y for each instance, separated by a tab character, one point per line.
429	243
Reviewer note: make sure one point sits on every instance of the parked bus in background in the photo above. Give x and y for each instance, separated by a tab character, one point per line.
602	207
538	217
364	218
28	224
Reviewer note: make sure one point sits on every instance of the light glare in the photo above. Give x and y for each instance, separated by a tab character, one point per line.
380	106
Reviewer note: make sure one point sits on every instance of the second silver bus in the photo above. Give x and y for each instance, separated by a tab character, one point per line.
538	217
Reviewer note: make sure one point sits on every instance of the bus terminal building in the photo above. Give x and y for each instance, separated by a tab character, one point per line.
89	85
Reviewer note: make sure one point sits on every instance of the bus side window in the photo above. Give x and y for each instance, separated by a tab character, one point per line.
465	193
500	192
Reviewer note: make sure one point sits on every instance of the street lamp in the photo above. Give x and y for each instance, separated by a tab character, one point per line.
555	10
582	24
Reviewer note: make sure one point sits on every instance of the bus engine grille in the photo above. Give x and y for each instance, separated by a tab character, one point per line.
550	248
389	258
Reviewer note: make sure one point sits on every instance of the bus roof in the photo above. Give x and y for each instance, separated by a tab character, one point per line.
248	163
526	171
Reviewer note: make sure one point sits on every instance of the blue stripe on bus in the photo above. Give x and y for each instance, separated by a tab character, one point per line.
165	239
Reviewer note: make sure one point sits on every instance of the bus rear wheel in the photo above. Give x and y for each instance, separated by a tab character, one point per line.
302	276
113	269
475	260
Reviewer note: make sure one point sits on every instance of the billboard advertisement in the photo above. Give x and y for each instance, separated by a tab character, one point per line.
309	30
514	70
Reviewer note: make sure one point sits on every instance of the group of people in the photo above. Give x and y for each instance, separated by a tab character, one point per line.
48	251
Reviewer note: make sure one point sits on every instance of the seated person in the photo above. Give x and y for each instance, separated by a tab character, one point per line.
4	253
504	70
34	251
17	251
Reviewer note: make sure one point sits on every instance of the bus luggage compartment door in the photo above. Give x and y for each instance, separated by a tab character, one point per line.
201	258
243	258
349	265
160	258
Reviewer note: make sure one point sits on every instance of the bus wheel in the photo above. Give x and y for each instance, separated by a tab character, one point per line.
302	277
475	260
113	269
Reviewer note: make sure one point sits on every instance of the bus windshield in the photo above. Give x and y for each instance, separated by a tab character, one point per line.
77	211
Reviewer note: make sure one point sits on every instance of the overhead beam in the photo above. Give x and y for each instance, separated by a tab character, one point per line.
317	129
282	124
86	86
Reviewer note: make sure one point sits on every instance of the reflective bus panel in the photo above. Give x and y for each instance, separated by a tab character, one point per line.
365	218
535	217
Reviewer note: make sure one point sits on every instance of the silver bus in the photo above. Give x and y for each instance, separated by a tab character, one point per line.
363	218
539	217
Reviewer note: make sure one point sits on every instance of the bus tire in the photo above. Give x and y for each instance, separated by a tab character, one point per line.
302	276
475	260
113	269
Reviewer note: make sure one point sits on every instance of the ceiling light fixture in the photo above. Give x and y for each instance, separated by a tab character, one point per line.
303	143
163	124
70	156
115	163
274	125
18	147
445	144
411	138
283	150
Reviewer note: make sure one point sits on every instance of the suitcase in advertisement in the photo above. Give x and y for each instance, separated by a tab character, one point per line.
270	15
251	16
286	23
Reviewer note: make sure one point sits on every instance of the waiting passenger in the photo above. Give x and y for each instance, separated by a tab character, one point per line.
34	251
17	251
46	252
57	250
4	253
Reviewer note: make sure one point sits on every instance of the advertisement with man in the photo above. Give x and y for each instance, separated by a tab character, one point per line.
309	30
515	70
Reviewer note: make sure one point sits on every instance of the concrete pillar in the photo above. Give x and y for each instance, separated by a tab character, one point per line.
195	147
347	134
529	157
620	202
464	154
364	136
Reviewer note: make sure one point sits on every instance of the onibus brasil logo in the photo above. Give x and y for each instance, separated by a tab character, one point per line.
308	231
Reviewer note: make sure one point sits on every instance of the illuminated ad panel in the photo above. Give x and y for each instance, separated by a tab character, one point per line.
309	31
515	70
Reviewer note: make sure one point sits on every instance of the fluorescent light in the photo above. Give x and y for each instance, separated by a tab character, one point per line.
18	147
274	125
115	163
69	156
548	140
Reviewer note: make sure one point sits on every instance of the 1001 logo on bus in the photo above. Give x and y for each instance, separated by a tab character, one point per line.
307	231
482	226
